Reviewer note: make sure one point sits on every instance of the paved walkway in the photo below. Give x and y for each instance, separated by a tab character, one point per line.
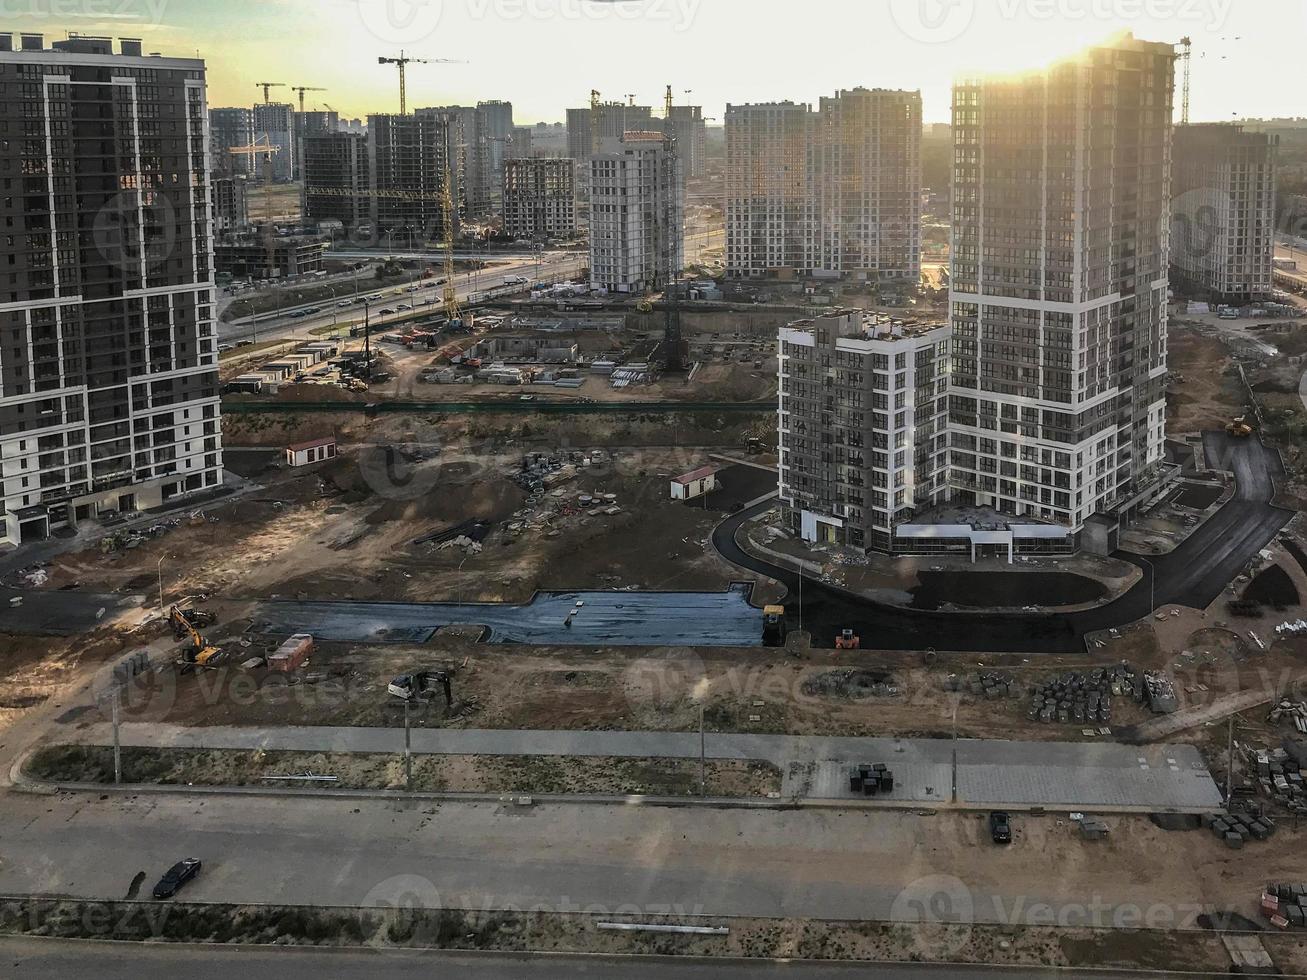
1074	775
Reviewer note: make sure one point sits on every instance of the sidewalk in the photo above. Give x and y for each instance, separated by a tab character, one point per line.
1096	776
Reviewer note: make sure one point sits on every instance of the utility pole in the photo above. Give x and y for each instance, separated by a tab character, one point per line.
408	750
1229	758
367	340
703	778
160	570
117	742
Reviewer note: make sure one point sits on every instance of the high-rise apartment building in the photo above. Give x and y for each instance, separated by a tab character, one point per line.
1223	221
231	209
481	138
407	161
863	425
274	125
637	214
615	120
691	132
865	176
835	193
228	128
108	354
767	190
539	200
1061	206
337	180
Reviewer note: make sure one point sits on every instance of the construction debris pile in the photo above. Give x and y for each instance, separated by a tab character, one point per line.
1297	627
1239	825
1295	711
992	685
128	539
1285	905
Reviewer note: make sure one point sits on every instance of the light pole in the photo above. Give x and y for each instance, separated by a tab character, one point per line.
159	568
1152	592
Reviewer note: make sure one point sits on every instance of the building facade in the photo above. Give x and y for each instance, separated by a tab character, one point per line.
231	209
691	132
539	198
1061	205
274	125
108	350
637	214
228	128
1223	221
863	420
408	157
337	181
830	193
767	190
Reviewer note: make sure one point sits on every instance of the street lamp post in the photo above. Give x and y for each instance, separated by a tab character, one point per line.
159	568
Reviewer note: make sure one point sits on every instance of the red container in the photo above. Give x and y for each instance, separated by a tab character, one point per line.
291	654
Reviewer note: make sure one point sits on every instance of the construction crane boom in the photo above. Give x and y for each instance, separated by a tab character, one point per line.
596	121
403	61
301	89
453	313
265	149
267	87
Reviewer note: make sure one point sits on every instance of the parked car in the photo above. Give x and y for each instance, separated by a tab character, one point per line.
244	343
386	311
1000	827
176	876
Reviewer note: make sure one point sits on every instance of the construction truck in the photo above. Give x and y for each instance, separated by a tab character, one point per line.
421	685
753	446
1239	428
199	652
773	626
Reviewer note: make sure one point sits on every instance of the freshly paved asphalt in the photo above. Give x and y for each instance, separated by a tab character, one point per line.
123	961
1194	574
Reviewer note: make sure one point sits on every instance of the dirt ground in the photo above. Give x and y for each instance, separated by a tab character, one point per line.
1204	391
420	928
35	669
353	528
431	773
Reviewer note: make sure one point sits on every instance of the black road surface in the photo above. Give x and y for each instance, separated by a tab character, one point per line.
1194	575
70	960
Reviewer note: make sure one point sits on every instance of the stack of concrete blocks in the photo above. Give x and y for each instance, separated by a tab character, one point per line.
991	685
1080	697
1281	778
1235	828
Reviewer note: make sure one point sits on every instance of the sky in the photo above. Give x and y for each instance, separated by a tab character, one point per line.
546	55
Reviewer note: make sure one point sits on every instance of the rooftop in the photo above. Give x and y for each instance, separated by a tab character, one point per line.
871	325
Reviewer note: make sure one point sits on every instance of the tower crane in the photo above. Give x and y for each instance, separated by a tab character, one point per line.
1186	56
403	61
267	87
301	89
596	121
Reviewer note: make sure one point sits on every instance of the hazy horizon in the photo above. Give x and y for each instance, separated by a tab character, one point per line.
546	55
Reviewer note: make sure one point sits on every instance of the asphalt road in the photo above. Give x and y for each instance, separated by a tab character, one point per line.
119	961
358	853
1194	575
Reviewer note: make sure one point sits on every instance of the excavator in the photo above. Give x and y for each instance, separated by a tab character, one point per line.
199	652
1239	428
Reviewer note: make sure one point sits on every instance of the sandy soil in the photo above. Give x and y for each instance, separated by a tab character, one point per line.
1204	392
443	773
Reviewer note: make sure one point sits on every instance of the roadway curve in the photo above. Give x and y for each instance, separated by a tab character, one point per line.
1192	575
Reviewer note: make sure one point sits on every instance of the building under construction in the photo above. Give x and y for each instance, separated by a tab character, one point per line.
408	158
1223	219
539	198
835	192
336	180
637	214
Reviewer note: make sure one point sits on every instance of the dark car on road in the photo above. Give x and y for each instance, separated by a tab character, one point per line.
1000	827
176	876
